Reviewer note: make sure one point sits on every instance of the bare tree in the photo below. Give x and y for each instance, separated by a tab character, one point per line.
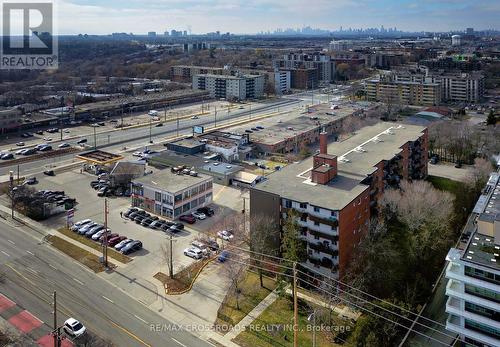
167	257
234	268
91	340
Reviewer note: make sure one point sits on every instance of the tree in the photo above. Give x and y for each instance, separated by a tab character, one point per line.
89	339
234	267
264	239
491	119
342	71
268	88
167	256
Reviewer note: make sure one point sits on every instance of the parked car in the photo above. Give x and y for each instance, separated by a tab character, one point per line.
206	210
146	222
122	244
20	144
39	132
201	246
86	227
194	117
156	224
7	156
81	142
188	218
116	240
212	244
223	256
29	151
25	135
138	219
193	252
93	230
159	125
103	191
130	211
174	229
48	139
178	225
73	327
199	215
64	145
80	224
226	235
49	172
131	247
110	236
45	148
100	233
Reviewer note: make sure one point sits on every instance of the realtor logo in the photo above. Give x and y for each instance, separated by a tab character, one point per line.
28	40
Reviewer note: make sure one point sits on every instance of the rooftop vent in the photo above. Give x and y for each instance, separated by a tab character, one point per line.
360	149
344	159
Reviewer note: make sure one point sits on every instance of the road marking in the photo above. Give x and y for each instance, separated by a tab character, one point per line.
130	334
52	266
111	301
183	345
78	281
21	275
7	254
139	318
11	242
29	252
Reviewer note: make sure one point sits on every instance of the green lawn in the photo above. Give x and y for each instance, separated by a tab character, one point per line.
251	294
446	184
264	331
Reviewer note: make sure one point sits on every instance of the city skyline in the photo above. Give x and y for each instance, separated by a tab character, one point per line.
239	17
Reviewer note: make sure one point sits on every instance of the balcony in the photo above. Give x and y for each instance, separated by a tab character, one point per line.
333	238
331	221
319	246
324	262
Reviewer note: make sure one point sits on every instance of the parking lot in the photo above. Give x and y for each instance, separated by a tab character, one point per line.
149	260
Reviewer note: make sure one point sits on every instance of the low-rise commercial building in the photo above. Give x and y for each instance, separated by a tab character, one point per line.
170	194
473	274
10	119
239	87
334	193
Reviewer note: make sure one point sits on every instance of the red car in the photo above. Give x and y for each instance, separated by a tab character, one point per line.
188	218
115	240
110	236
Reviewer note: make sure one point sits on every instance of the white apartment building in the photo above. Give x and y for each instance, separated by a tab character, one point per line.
473	274
238	87
171	195
322	62
282	81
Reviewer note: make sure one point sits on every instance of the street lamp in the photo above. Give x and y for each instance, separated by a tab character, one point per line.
11	180
312	317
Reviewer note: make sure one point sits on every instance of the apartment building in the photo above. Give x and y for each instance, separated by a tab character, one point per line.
321	62
185	73
462	87
282	81
240	87
403	92
334	193
473	273
170	194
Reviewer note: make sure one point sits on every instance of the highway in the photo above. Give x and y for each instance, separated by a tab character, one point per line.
117	139
33	270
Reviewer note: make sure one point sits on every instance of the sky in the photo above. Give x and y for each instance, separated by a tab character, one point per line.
251	16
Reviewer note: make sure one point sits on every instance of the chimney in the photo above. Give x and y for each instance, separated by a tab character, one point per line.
323	142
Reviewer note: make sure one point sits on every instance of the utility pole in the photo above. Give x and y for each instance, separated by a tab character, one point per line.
56	332
171	263
250	111
95	139
150	122
295	307
177	125
165	114
11	180
18	173
122	118
105	242
215	123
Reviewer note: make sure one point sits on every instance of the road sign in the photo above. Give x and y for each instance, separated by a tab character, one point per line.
197	129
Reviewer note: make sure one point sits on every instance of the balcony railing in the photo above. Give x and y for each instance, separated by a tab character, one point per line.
333	238
319	246
332	221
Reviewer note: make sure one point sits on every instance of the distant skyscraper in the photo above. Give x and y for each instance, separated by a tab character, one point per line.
469	31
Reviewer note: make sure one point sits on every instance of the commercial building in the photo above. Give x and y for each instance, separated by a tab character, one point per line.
473	274
334	193
170	194
10	119
239	87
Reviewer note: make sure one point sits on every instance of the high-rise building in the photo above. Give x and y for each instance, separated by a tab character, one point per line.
473	274
323	63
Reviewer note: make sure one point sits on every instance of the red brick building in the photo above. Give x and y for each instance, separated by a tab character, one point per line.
335	192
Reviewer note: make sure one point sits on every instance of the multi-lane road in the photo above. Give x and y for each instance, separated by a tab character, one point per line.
33	270
116	139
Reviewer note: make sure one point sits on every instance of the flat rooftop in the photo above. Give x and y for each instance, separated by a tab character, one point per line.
229	77
484	249
99	157
357	157
170	182
288	125
188	142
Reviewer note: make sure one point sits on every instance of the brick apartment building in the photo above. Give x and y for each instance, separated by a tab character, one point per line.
335	192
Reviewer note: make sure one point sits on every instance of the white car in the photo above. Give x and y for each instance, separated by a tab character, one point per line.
79	224
67	131
21	151
193	252
20	144
199	215
100	233
138	154
194	117
73	327
122	244
226	235
64	145
48	139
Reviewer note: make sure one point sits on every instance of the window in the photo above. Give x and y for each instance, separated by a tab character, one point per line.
303	218
186	194
483	293
201	187
482	311
484	329
157	196
316	209
316	237
209	185
178	198
169	199
194	203
186	207
332	213
194	191
482	275
178	211
316	224
303	205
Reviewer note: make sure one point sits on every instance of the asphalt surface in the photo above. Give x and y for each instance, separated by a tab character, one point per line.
139	136
33	270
